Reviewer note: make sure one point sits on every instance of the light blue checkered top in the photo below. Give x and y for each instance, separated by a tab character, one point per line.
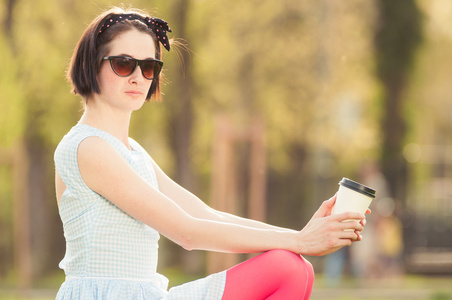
109	254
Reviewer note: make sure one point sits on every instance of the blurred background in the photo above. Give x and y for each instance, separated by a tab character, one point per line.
267	105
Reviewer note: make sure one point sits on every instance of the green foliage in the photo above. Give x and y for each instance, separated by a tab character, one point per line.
399	32
12	112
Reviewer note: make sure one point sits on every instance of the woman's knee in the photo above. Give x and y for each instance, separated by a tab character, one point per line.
280	255
290	262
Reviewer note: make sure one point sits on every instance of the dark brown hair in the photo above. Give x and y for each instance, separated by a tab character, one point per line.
92	47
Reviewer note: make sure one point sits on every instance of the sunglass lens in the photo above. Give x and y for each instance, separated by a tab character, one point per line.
123	66
151	69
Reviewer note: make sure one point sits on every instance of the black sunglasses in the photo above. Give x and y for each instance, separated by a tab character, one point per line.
124	66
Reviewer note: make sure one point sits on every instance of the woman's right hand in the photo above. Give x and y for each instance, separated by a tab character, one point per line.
326	233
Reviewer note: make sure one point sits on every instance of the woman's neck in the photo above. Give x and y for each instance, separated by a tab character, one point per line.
112	121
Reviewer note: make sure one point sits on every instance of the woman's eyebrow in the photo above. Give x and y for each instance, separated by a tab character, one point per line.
124	54
127	55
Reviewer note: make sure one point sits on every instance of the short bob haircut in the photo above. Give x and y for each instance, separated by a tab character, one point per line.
92	47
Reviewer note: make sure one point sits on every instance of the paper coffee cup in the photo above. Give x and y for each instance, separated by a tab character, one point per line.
352	197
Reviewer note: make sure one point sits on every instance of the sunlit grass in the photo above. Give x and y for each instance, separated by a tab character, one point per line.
405	287
422	287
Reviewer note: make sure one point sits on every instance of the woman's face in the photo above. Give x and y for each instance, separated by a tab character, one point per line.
126	93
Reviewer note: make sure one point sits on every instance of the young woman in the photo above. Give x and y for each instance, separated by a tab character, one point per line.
114	201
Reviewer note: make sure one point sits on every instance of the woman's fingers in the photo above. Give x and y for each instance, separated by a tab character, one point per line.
351	236
350	225
325	208
363	222
353	227
359	237
337	230
349	216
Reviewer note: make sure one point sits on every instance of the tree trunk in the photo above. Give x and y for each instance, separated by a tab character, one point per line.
181	110
397	36
9	18
180	106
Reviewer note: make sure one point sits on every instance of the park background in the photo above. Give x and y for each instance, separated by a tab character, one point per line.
315	90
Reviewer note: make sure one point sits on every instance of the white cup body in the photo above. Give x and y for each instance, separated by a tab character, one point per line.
348	200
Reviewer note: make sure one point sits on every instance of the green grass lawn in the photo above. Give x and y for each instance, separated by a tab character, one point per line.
410	287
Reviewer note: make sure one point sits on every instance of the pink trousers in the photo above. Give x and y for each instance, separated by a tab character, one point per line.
274	275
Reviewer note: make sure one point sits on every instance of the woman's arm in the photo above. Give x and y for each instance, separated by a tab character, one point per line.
106	172
198	209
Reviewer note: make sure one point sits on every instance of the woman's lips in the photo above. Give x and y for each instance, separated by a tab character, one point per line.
134	93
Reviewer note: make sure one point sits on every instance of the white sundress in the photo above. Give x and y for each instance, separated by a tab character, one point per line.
109	254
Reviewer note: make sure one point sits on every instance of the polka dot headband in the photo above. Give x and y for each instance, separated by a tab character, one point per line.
158	26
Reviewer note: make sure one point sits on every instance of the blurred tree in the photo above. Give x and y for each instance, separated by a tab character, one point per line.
15	245
9	17
179	124
180	103
398	35
429	138
35	114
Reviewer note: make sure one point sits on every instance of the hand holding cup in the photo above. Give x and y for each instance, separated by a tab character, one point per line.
352	197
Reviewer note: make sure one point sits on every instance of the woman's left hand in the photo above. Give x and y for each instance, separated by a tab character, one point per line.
363	223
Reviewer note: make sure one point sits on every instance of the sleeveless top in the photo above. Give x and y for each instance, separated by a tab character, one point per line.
109	254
